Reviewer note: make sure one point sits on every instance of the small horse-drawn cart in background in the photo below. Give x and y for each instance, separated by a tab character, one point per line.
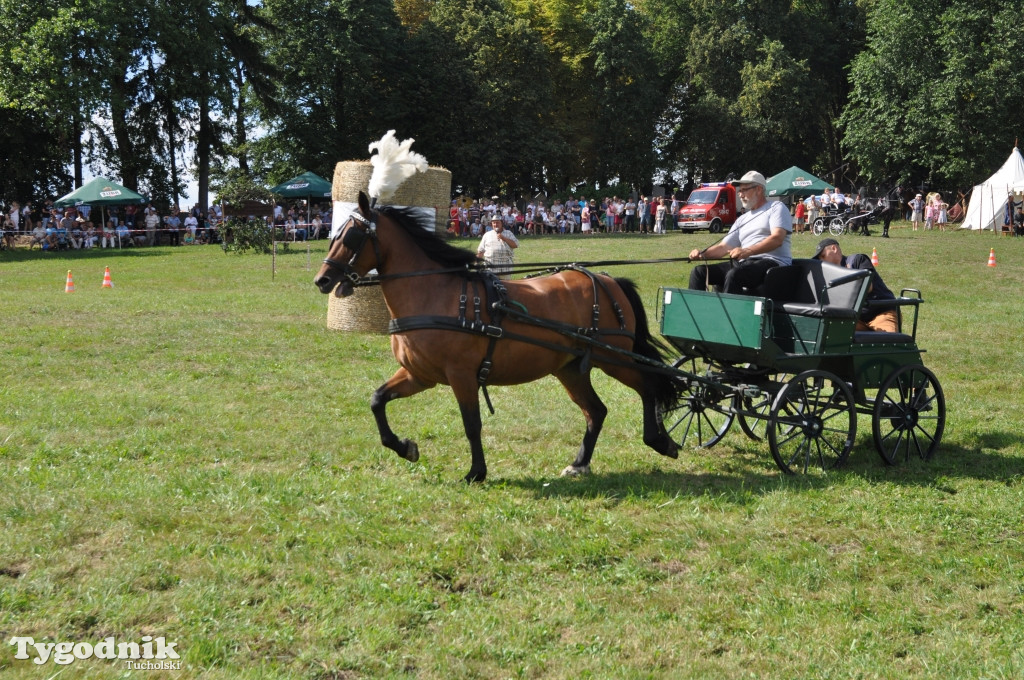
788	365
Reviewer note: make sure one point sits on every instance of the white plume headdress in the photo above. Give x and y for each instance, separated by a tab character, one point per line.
393	164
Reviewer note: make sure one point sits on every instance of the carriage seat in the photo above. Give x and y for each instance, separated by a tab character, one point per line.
876	337
817	289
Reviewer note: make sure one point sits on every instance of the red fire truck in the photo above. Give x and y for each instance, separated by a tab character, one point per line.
713	206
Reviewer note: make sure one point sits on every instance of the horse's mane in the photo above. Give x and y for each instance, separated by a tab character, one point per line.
433	246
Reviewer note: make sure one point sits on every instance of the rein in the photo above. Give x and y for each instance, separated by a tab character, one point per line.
532	268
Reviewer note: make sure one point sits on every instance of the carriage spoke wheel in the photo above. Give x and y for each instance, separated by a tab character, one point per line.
836	226
703	415
909	415
818	227
812	423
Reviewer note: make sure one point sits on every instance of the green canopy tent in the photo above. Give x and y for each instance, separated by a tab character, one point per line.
308	185
795	182
101	192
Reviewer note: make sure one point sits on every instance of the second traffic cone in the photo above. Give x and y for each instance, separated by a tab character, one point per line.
874	257
107	283
69	287
991	258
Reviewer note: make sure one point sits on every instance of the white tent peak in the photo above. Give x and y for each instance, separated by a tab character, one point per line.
988	199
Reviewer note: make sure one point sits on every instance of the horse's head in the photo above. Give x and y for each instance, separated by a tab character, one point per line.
348	258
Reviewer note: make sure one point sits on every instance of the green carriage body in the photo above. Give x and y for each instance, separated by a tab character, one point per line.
792	360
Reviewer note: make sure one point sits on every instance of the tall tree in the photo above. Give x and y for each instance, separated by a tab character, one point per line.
934	95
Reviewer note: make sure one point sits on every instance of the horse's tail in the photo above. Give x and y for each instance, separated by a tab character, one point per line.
666	389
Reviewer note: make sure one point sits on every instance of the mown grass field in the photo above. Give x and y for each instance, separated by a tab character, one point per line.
191	455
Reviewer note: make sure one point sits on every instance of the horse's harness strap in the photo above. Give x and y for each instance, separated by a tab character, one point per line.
500	307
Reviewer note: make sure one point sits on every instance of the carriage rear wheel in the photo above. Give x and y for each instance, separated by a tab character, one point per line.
909	415
818	226
704	414
836	226
812	423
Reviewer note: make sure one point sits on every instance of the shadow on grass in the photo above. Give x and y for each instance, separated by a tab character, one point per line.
747	478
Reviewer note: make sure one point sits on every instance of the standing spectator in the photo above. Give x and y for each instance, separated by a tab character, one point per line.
643	209
173	224
629	215
7	233
317	225
585	225
660	215
129	216
15	215
940	212
496	248
800	217
152	222
917	208
576	210
812	205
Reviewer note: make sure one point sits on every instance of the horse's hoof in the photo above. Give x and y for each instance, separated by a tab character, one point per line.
672	450
412	451
576	471
475	477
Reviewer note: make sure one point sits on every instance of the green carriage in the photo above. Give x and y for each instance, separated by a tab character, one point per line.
790	366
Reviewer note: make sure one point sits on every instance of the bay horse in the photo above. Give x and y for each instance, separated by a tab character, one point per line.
443	334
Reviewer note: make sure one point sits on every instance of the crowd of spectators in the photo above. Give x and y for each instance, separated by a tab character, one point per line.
646	215
82	227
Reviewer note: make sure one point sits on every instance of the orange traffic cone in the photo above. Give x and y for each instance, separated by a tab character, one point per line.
107	283
874	257
991	258
69	287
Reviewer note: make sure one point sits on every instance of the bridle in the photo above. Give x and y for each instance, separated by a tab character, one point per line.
354	236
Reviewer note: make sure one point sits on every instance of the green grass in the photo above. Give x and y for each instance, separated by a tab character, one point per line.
191	455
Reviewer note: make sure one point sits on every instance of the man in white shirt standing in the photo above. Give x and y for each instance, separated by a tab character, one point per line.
496	248
758	241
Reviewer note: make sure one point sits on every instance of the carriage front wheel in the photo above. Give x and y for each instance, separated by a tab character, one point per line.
703	415
812	423
909	415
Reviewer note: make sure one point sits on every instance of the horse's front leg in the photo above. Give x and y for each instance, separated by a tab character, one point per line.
467	394
401	384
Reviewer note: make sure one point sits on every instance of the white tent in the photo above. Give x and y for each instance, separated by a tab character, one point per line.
988	200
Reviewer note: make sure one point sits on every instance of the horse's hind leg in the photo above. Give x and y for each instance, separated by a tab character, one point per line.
582	393
401	384
655	435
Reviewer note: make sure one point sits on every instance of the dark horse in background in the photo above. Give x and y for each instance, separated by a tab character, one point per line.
423	278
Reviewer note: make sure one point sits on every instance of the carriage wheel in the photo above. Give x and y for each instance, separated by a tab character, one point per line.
909	415
836	226
819	226
812	424
703	415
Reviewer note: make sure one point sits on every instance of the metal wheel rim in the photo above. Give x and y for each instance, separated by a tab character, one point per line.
836	227
909	415
704	415
812	424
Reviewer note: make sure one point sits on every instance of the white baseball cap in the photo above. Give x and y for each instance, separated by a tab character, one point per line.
752	177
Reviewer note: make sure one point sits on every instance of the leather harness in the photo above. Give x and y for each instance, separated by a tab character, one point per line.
500	307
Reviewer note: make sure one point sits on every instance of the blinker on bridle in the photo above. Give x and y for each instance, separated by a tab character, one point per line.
354	237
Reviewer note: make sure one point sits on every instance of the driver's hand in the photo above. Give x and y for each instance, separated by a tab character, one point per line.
738	253
695	254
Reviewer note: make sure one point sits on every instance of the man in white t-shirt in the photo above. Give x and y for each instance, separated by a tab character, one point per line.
496	248
758	241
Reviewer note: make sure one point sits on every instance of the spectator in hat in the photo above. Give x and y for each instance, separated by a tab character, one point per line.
873	317
758	241
496	248
916	210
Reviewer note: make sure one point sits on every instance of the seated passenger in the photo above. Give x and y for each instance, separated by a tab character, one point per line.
758	241
874	318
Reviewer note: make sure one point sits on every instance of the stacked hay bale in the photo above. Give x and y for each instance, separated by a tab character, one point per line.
364	310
